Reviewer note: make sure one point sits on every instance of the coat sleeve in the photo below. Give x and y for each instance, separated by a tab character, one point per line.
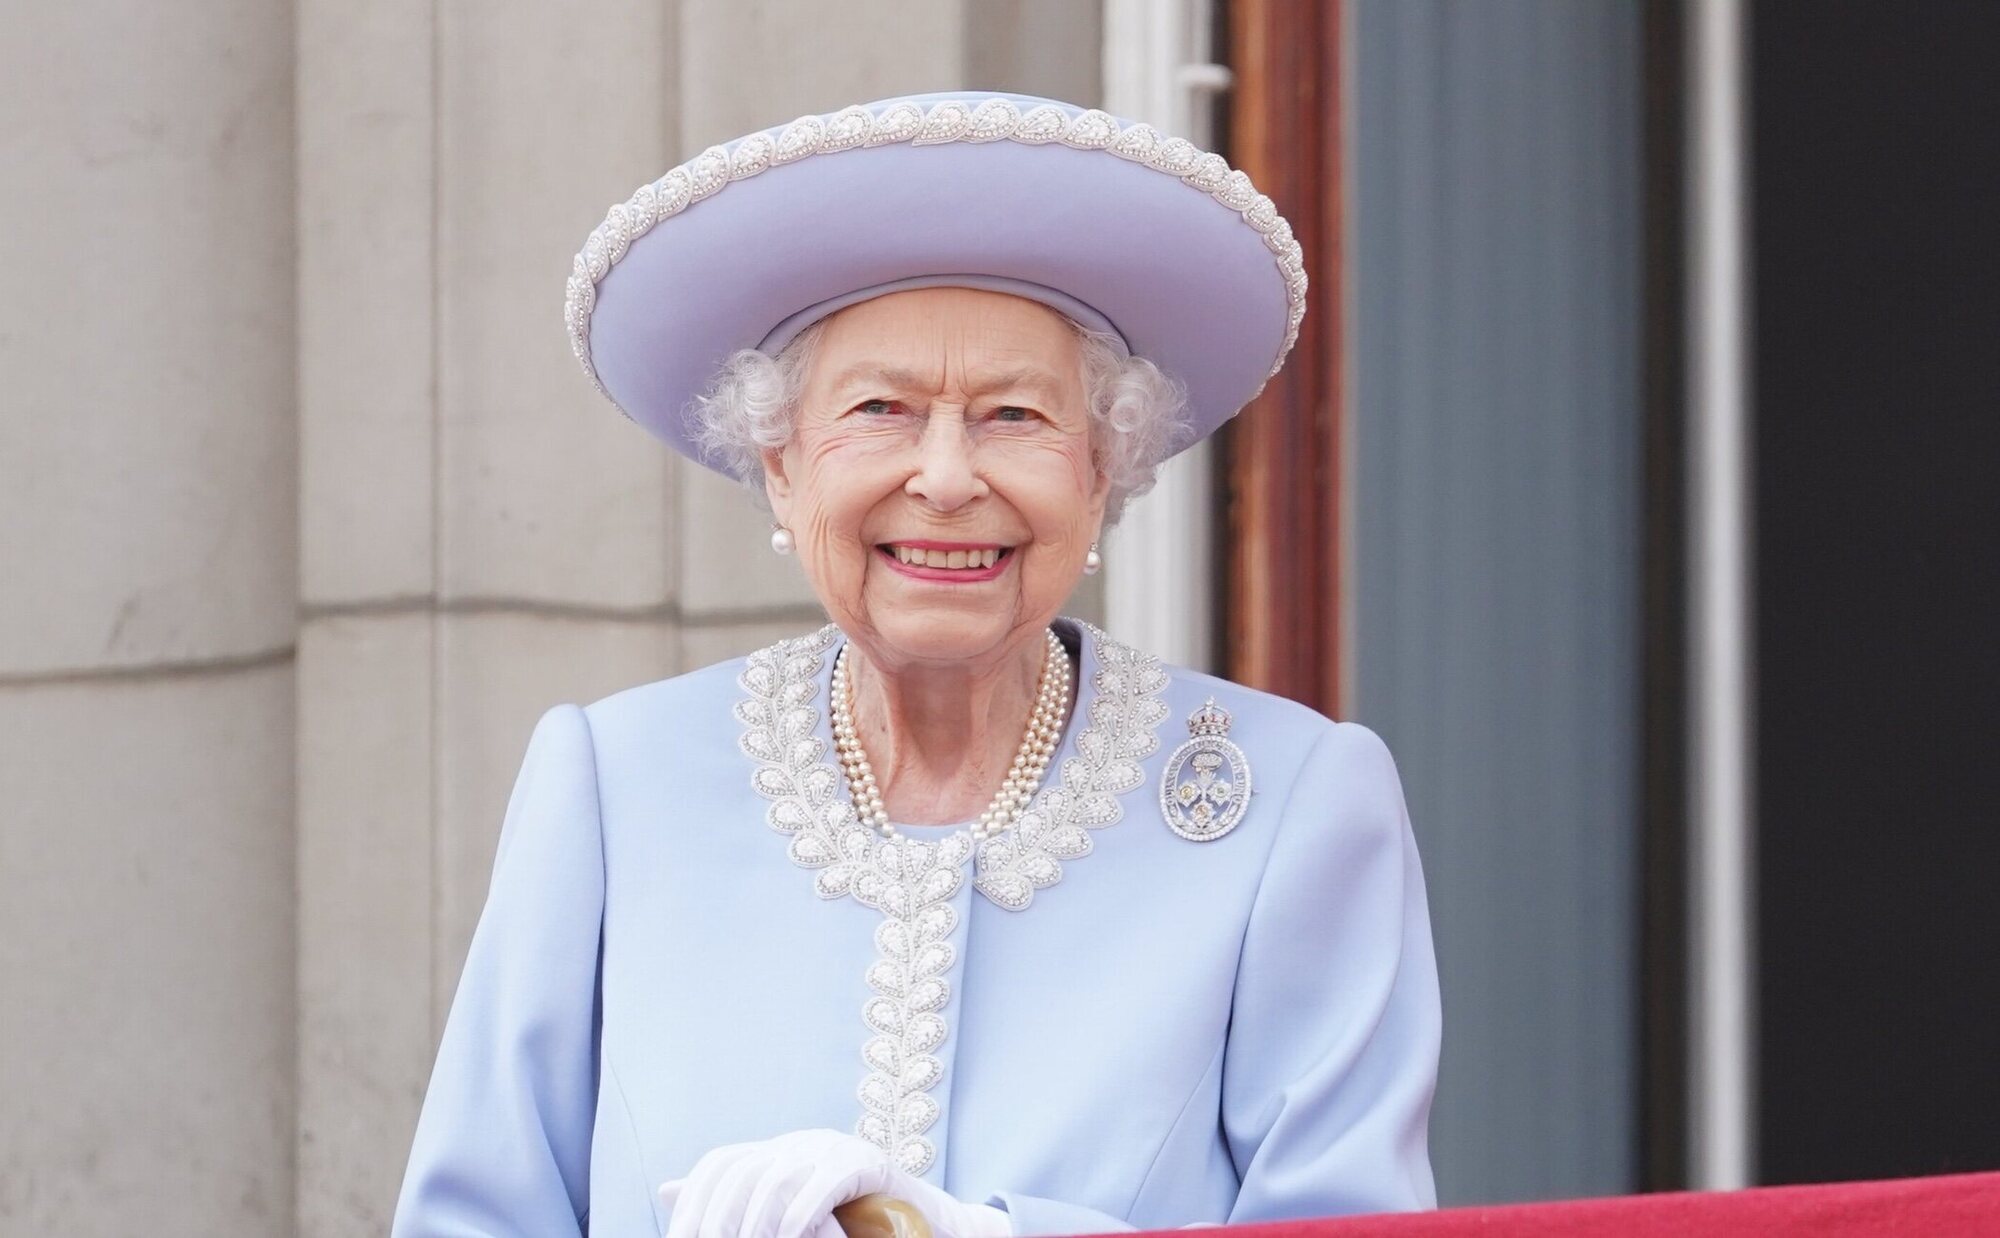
1333	1038
1333	1034
502	1146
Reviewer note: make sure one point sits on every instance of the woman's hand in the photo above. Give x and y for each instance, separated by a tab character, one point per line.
788	1187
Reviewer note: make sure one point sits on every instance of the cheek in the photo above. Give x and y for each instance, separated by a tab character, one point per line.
839	480
1051	485
841	476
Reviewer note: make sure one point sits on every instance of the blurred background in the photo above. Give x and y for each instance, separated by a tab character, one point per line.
1634	478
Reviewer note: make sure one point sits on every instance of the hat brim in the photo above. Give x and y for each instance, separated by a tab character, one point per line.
1182	258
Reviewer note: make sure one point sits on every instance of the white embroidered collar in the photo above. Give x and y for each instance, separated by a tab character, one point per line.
1119	695
912	881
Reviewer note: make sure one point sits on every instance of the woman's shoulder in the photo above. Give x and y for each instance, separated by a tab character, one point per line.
700	688
693	708
672	738
1266	717
1290	746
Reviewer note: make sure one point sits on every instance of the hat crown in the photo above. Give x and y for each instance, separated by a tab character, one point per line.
1111	222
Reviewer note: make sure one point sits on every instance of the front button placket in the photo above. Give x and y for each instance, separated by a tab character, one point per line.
911	982
914	882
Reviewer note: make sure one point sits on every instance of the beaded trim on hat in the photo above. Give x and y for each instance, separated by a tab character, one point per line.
952	120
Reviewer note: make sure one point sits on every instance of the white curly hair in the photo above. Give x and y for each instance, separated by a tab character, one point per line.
1138	414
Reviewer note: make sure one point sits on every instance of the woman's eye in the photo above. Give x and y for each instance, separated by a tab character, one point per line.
875	407
1012	413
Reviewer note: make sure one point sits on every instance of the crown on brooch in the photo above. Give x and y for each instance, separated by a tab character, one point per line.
1210	719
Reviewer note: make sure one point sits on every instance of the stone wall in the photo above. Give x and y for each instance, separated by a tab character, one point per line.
307	515
147	597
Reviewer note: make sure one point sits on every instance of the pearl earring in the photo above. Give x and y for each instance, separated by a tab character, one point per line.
781	539
1092	561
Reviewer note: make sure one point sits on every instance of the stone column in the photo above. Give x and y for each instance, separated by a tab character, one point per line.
482	536
147	582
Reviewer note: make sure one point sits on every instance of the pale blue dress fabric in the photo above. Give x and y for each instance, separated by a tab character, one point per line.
1172	1032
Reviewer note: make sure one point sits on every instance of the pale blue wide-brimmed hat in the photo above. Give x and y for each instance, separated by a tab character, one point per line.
1124	229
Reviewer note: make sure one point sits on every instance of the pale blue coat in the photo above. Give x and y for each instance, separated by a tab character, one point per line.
673	956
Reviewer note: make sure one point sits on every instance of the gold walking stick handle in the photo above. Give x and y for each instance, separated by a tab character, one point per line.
881	1216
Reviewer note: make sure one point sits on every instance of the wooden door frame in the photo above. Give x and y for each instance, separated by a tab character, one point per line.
1285	495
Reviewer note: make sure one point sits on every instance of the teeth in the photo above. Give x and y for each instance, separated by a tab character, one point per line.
969	559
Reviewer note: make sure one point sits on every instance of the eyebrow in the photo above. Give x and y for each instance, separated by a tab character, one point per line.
1032	381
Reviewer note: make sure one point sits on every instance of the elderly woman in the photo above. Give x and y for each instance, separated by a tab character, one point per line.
954	900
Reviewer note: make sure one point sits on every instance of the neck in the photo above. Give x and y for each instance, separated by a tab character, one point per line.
941	738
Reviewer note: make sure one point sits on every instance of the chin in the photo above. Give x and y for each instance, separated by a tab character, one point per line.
941	633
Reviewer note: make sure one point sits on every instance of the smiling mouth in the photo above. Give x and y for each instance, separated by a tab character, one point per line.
972	560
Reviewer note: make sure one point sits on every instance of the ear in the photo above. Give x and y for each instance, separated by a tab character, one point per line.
777	483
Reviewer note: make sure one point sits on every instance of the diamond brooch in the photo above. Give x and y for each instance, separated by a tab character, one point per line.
1205	787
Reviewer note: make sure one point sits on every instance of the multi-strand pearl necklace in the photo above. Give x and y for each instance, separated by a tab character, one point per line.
1031	760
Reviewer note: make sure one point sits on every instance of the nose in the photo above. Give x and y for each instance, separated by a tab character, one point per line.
945	477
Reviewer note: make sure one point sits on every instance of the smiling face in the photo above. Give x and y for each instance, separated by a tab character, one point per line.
939	481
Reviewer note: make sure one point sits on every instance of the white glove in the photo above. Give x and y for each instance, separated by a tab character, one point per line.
788	1187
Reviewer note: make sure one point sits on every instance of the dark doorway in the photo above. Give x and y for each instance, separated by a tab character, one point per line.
1877	354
